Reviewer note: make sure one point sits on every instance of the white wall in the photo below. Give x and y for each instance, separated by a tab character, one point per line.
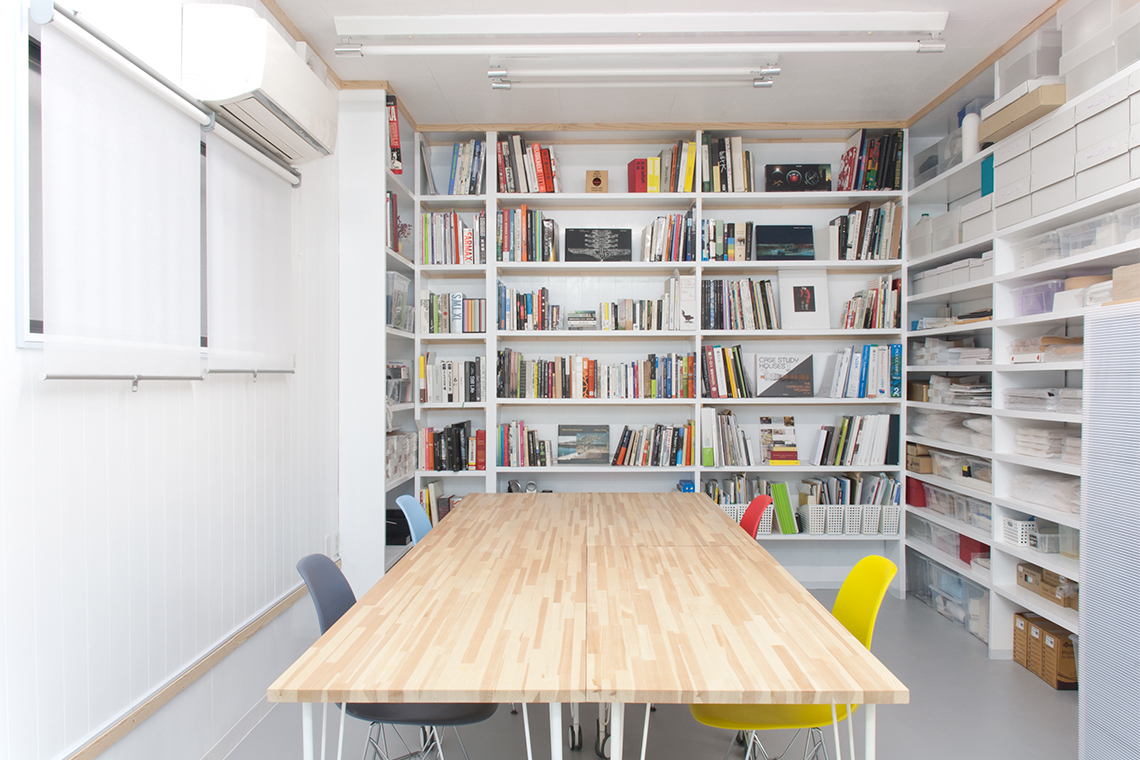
137	530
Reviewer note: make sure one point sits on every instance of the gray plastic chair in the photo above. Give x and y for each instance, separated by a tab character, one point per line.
332	596
418	521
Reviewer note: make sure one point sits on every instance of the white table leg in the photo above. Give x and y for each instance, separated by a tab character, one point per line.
340	741
645	731
526	733
617	729
869	718
307	730
835	728
556	731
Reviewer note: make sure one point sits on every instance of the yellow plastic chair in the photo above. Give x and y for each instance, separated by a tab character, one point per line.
856	607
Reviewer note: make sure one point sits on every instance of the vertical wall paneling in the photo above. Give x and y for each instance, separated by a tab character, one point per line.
362	336
1109	666
139	530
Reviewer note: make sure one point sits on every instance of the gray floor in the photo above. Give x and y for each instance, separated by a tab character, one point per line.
963	705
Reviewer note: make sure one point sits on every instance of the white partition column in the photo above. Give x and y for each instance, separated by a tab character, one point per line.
363	153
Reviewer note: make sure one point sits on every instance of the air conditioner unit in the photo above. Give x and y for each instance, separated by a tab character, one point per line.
236	63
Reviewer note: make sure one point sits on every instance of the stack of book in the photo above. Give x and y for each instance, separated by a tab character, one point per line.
668	375
859	441
785	514
669	238
431	493
967	390
674	311
521	447
726	241
877	307
778	441
734	489
523	234
870	372
399	455
452	313
468	175
744	304
527	311
448	239
725	166
451	381
872	162
865	233
582	320
723	442
455	448
851	489
399	312
526	168
673	170
655	446
724	375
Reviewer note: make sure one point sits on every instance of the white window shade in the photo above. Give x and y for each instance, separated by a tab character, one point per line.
249	262
121	238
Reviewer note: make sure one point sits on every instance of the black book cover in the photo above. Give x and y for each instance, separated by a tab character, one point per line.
722	162
655	447
531	449
893	441
784	242
896	182
706	315
542	453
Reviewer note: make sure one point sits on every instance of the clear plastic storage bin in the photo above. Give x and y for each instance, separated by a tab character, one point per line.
938	500
1128	220
918	574
944	539
1070	541
981	513
976	600
1037	250
1039	55
945	230
980	470
1090	235
926	164
1035	299
918	529
947	465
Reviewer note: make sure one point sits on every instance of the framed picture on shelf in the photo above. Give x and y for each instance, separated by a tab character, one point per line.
584	444
594	245
784	242
804	300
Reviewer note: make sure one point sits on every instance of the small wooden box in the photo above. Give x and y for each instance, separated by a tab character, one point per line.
597	181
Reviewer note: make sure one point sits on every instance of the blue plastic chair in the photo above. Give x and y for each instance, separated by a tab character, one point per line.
418	521
332	596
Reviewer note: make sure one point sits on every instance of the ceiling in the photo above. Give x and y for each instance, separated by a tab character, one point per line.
444	91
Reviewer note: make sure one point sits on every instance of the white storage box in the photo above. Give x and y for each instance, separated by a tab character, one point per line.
1116	145
814	518
1011	147
1082	77
1014	212
1038	55
918	238
944	230
1069	300
1012	170
834	519
1106	97
1009	193
853	519
1134	109
1054	197
917	280
959	272
937	278
1104	176
1102	125
976	208
1053	160
871	513
978	226
1057	122
983	267
1081	20
1134	163
1127	31
1016	532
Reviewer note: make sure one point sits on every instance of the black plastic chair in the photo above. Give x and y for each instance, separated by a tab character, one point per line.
332	596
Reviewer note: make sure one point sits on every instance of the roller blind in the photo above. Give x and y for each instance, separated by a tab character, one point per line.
121	221
249	262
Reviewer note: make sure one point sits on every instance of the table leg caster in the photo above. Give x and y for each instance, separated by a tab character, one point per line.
574	739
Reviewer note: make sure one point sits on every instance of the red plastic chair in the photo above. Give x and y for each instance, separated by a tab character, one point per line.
751	519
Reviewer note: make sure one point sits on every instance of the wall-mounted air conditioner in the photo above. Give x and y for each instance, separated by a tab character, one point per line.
236	63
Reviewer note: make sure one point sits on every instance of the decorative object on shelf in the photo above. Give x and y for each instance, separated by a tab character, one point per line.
584	444
785	178
784	242
598	245
597	181
784	375
804	300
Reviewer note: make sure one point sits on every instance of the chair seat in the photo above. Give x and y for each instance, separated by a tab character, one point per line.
422	713
766	717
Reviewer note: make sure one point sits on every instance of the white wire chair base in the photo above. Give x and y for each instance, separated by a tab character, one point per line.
430	740
813	746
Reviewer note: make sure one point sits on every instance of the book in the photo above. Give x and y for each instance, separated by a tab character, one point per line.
594	245
849	162
784	375
395	162
784	242
583	444
636	171
804	300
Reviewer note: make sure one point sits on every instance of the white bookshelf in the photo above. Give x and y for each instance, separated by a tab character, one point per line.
950	190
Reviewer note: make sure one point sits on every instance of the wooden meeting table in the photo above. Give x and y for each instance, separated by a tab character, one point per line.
611	598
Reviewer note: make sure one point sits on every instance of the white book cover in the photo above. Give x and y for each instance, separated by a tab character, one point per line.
737	164
521	178
687	301
721	380
854	374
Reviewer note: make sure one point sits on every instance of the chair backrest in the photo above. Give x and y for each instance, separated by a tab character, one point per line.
861	595
418	522
332	596
750	521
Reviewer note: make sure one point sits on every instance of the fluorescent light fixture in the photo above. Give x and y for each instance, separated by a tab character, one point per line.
603	24
743	72
630	84
762	84
931	46
348	50
652	48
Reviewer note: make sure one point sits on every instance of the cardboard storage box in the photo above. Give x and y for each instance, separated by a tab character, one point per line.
1021	621
922	465
1029	577
1125	283
1057	594
917	449
1033	649
1058	666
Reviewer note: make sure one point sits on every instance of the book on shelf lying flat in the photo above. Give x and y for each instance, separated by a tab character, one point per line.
658	376
657	445
778	441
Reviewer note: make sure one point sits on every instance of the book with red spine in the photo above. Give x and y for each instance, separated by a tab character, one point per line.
539	169
548	172
395	163
638	175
